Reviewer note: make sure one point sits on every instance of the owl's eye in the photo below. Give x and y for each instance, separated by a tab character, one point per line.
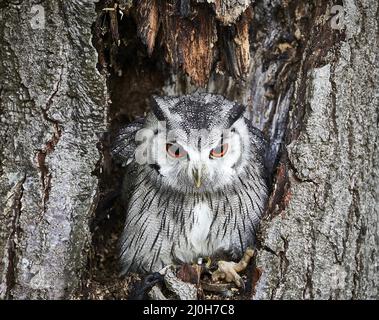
175	150
219	151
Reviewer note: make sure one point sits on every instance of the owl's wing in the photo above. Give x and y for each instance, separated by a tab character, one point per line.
261	149
125	145
257	138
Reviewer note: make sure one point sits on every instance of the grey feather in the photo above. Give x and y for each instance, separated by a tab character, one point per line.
125	144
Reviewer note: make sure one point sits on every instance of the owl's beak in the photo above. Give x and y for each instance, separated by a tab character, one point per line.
197	177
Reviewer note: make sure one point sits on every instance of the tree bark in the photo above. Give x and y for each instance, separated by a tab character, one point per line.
52	107
326	239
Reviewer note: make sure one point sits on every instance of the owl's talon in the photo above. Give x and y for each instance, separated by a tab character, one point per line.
228	270
208	263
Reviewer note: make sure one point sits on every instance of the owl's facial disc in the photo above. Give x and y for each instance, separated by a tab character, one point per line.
203	162
177	151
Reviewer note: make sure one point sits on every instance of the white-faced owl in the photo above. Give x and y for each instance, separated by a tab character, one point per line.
195	183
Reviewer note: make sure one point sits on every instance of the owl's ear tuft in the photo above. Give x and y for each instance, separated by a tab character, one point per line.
159	106
236	112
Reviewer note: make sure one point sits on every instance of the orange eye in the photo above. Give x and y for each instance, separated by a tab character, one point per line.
175	150
219	151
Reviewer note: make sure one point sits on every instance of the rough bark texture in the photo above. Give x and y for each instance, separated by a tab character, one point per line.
327	239
52	109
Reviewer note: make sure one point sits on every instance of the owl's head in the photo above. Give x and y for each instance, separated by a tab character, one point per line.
199	142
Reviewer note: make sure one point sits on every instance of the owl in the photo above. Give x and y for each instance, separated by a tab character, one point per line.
195	182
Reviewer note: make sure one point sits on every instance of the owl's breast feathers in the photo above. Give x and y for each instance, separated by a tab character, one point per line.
164	227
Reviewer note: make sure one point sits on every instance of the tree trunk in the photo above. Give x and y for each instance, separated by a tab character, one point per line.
326	238
308	74
52	107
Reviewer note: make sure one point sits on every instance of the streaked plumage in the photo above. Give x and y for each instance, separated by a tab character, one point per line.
168	218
